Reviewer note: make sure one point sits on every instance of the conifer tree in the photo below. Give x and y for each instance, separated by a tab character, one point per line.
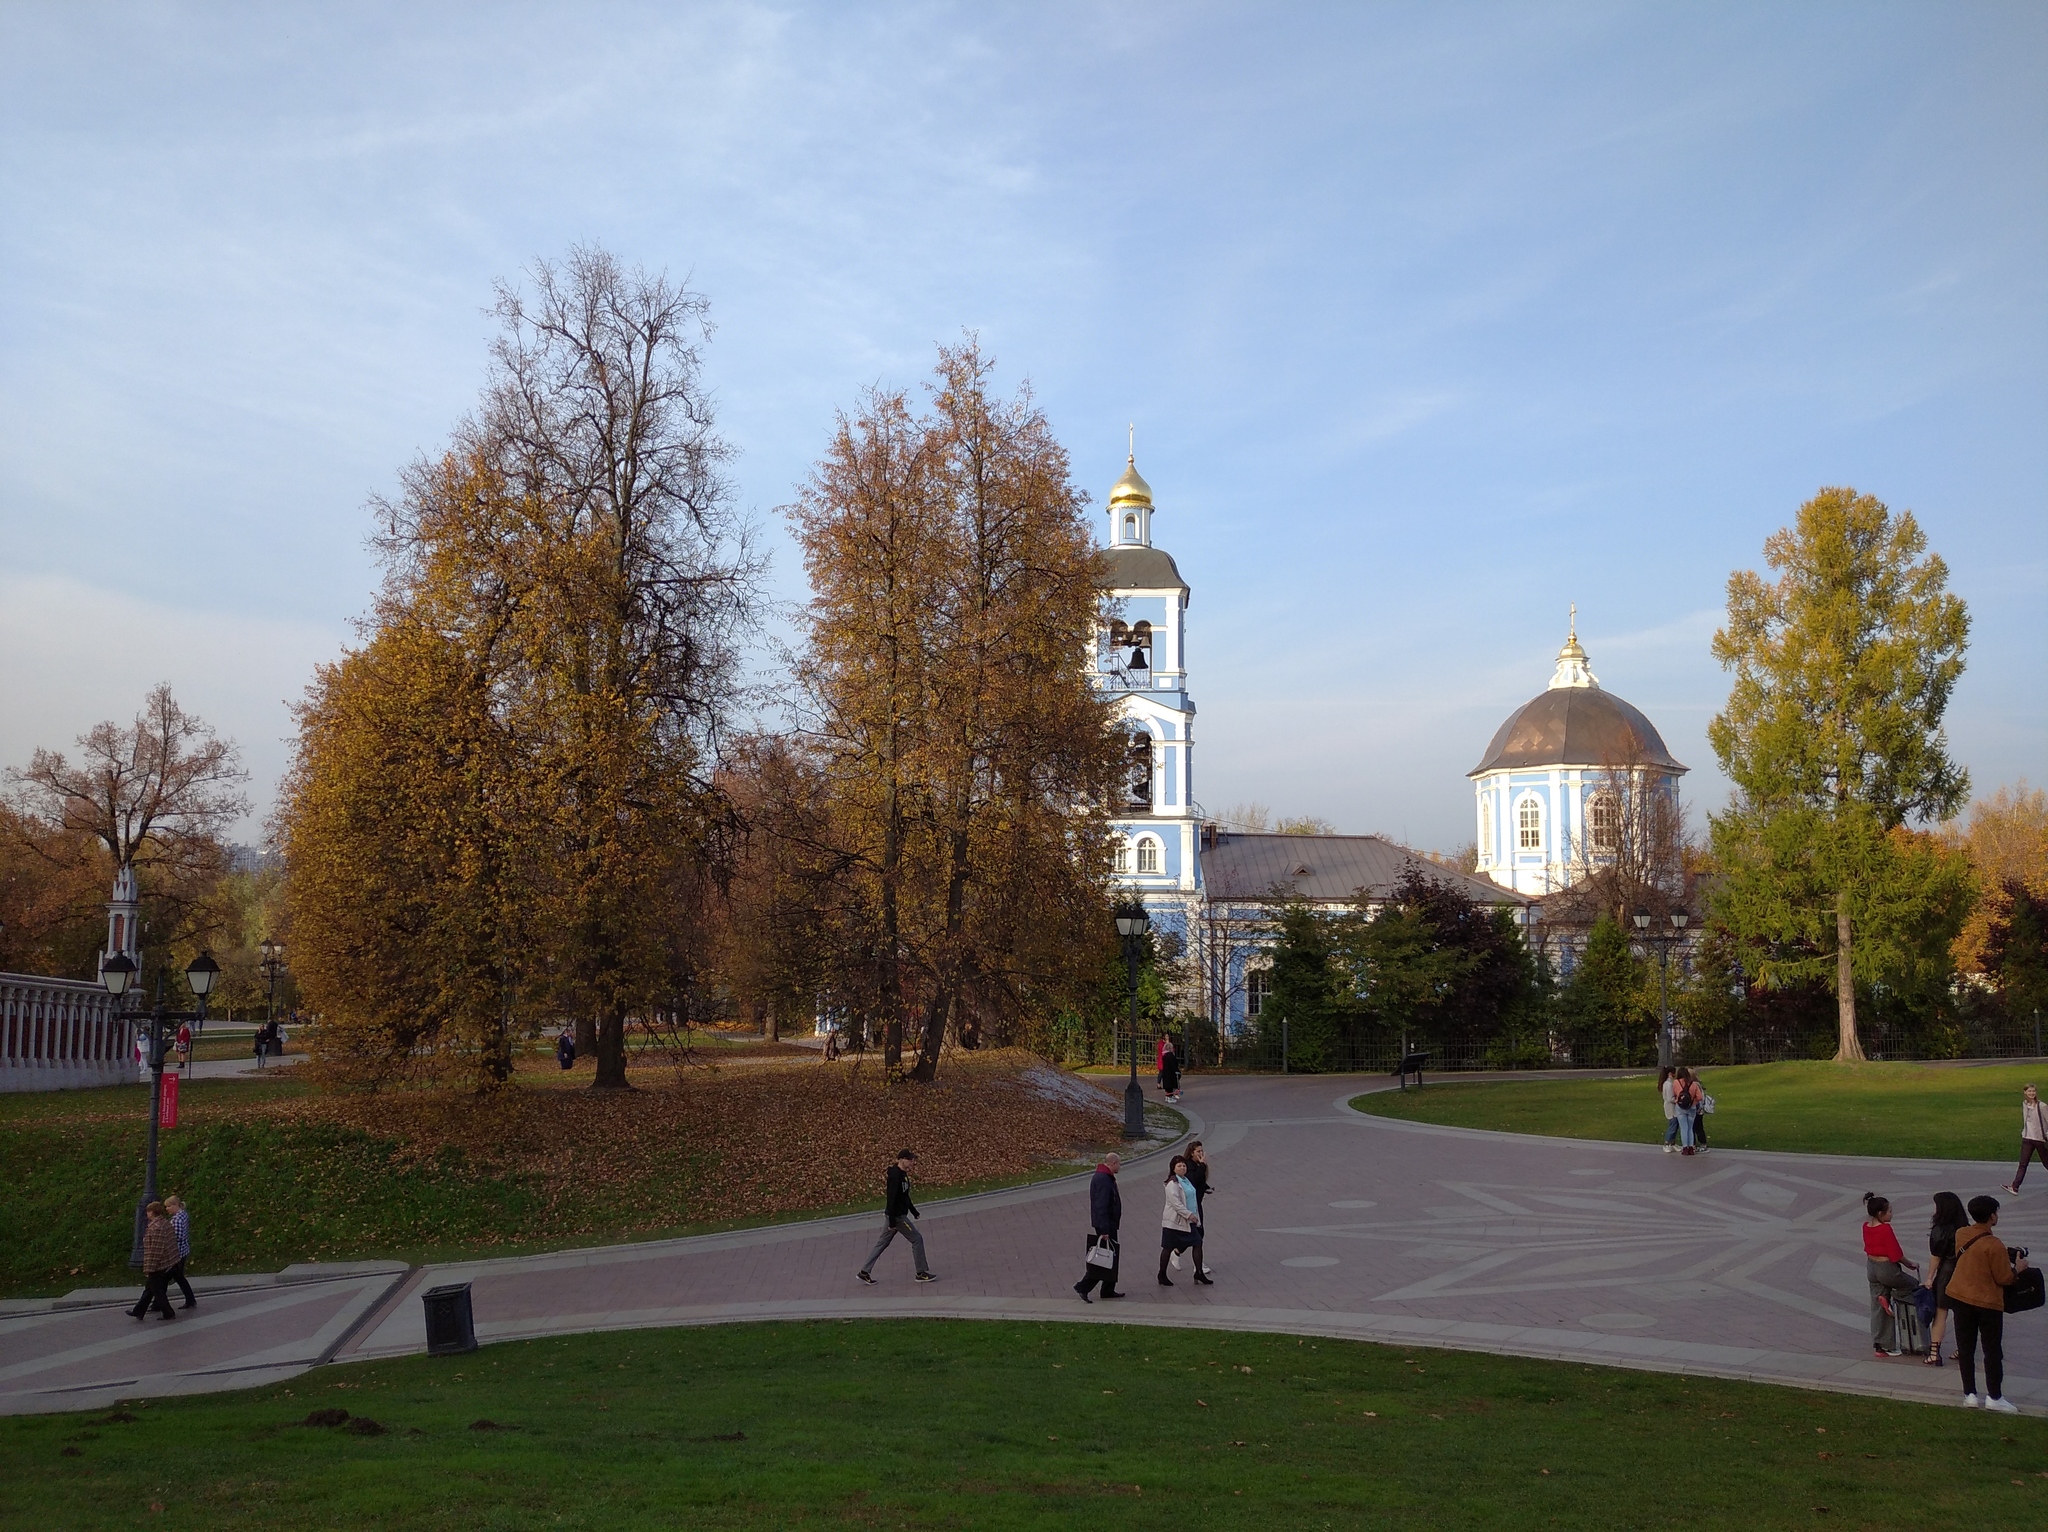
1832	736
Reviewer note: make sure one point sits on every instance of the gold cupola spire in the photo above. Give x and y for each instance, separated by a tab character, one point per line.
1573	669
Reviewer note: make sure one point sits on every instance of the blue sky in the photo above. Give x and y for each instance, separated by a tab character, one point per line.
1433	319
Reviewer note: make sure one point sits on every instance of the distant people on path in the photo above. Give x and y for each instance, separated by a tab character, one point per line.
1886	1266
1178	1220
2033	1136
565	1049
1667	1088
1976	1296
1105	1224
159	1255
269	1042
181	1226
1169	1069
1949	1220
899	1216
1198	1172
185	1046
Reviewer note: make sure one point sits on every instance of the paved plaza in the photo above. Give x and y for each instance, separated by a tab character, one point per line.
1324	1222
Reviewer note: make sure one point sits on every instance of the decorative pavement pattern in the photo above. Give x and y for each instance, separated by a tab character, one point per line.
1324	1221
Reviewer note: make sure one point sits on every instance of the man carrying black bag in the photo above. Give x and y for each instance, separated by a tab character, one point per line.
1105	1218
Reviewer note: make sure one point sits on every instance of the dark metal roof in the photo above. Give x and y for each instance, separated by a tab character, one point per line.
1576	726
1330	868
1135	568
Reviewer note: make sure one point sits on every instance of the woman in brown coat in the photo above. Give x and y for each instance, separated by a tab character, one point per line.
1976	1296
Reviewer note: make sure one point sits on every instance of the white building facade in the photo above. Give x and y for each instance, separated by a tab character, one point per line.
1546	790
1141	659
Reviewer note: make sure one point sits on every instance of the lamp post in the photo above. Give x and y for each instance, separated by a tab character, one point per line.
271	966
1663	942
119	974
1131	924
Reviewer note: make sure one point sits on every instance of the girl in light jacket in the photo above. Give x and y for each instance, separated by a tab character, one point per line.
2033	1136
1179	1219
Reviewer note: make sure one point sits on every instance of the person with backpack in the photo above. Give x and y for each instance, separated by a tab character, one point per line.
1685	1100
1886	1265
1976	1296
2033	1136
1949	1220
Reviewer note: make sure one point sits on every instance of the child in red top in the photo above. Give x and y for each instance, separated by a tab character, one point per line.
1887	1266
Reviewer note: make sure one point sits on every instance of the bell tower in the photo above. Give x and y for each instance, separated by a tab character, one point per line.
124	921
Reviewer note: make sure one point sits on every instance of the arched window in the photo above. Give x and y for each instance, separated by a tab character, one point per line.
1130	529
1121	856
1530	825
1604	819
1140	794
1148	854
1257	985
1485	826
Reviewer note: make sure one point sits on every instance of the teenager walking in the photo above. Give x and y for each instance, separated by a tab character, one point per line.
1949	1220
1105	1220
1178	1219
1976	1296
2033	1136
1198	1173
159	1255
899	1216
181	1226
1886	1265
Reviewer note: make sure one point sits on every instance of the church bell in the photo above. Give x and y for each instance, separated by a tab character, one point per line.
1138	660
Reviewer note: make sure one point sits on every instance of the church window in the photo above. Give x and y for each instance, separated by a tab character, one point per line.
1605	819
1530	820
1140	792
1257	985
1130	529
1122	856
120	933
1148	855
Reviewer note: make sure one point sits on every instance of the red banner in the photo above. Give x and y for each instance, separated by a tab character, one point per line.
167	1111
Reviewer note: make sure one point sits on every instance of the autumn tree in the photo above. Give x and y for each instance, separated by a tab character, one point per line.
1832	737
157	795
2004	942
948	700
545	679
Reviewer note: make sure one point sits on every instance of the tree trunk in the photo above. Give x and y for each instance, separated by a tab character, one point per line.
611	1050
586	1037
941	1011
1851	1050
774	1022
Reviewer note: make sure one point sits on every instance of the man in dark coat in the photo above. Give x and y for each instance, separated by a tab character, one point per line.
1105	1219
899	1216
565	1050
159	1255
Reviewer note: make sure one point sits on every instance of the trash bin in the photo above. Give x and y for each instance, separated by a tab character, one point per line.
451	1326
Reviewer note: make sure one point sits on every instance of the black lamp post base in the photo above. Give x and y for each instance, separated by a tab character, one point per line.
1134	1111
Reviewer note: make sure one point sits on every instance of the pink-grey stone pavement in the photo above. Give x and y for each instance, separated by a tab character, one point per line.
1324	1221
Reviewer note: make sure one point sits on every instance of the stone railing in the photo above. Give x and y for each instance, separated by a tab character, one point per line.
61	1034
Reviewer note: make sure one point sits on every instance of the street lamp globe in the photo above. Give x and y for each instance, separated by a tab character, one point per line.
201	974
1131	921
1642	920
1678	920
118	974
269	948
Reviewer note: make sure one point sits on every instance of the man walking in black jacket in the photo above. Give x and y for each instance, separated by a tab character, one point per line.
899	1216
1105	1218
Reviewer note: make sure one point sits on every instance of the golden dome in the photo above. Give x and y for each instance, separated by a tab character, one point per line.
1130	489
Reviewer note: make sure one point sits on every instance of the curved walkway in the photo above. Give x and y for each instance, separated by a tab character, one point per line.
1325	1221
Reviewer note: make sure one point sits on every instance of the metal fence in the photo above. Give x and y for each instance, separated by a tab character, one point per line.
1881	1042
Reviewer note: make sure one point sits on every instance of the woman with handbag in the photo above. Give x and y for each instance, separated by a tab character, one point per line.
1178	1220
1949	1220
1977	1297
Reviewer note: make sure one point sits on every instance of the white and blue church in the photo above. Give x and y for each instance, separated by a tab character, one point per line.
1545	795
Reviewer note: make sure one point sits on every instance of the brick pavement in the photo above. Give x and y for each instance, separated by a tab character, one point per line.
1324	1221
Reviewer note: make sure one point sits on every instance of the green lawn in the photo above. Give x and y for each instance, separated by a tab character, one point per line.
1912	1110
935	1424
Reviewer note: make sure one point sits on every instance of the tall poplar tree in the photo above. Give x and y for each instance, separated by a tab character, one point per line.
1832	736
